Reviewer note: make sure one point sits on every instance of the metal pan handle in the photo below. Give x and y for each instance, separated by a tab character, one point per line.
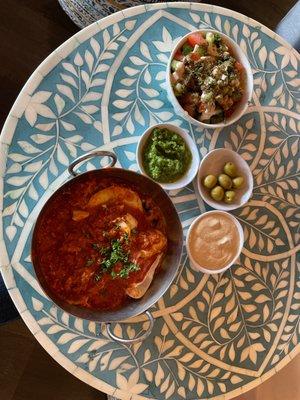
136	339
97	153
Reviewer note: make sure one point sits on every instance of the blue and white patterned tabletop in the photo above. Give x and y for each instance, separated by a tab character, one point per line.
214	336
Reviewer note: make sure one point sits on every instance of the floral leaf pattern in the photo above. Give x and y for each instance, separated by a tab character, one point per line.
212	334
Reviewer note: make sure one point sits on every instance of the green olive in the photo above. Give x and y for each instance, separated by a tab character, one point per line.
238	182
230	169
217	193
229	196
210	181
225	181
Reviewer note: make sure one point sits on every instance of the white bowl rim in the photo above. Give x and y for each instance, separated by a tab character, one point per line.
246	65
241	244
224	206
194	166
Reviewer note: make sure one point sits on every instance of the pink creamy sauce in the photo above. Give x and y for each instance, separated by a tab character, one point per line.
214	241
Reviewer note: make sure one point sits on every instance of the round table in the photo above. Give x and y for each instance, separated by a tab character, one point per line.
214	336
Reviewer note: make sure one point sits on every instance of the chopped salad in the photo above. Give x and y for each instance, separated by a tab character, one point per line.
207	80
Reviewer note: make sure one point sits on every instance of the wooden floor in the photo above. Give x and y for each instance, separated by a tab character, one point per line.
27	372
29	31
282	386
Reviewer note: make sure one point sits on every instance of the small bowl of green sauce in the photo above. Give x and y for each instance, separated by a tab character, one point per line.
168	155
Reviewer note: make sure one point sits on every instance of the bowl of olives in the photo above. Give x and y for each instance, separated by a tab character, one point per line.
224	180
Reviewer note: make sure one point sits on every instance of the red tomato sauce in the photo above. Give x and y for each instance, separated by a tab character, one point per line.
70	254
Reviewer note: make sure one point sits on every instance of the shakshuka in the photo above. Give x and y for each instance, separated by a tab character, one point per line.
100	242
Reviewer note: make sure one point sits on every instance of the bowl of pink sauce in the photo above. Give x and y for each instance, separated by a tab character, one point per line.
214	242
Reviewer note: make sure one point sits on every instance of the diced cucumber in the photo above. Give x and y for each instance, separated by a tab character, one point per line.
210	81
210	37
175	64
178	89
199	50
213	38
186	49
206	96
217	38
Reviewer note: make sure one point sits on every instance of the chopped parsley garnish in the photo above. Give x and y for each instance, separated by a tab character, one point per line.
104	251
126	238
117	254
125	271
113	274
89	262
113	255
96	246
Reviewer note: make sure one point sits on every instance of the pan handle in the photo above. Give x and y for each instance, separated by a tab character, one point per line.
97	153
136	339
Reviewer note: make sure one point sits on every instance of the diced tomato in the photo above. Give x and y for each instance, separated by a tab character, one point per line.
195	56
178	56
201	107
238	66
196	38
190	109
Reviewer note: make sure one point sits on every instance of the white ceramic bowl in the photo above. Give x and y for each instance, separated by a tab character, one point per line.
193	168
213	163
202	268
237	52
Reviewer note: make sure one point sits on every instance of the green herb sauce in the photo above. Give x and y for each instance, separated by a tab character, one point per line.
166	156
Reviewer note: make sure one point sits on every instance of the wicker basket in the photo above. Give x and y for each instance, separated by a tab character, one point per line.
84	12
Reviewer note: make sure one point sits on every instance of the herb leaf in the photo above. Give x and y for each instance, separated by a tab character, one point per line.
112	255
126	238
125	271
